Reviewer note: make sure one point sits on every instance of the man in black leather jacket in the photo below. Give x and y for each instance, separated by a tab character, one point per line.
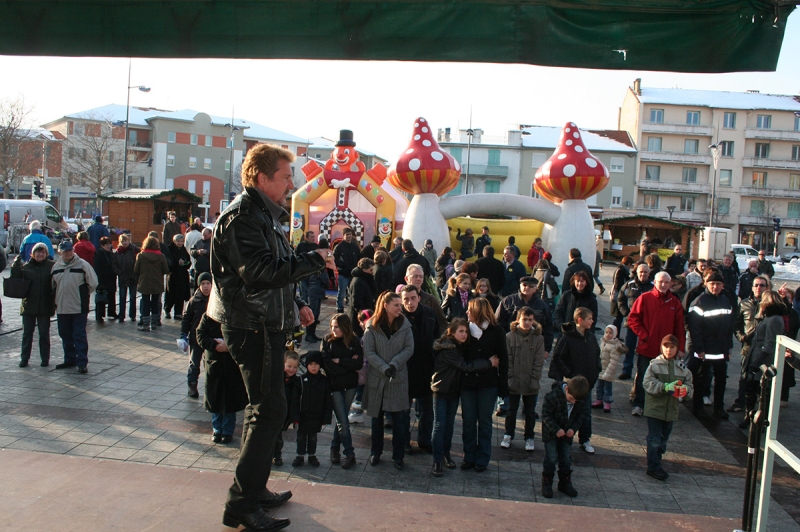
254	271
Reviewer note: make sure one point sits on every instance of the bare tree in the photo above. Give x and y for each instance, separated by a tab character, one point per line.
722	208
14	129
94	156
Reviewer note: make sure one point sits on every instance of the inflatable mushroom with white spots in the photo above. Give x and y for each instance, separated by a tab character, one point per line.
570	176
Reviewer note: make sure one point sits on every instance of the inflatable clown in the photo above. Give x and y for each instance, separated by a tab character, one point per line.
570	176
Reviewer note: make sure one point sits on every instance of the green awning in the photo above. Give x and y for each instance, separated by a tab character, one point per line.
677	35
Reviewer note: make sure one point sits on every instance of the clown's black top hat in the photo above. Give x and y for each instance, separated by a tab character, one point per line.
346	138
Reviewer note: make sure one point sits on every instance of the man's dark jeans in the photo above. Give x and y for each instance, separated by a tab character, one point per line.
257	353
630	342
72	330
701	376
642	363
425	425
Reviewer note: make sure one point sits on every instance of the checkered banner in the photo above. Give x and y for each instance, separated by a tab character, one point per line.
350	219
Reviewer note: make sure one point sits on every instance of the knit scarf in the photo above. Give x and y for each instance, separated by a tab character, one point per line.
464	297
477	331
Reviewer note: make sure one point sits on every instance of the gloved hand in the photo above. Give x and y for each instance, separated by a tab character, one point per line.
389	372
680	391
670	387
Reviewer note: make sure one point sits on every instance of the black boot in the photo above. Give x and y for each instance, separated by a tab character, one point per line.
547	484
311	333
565	484
437	470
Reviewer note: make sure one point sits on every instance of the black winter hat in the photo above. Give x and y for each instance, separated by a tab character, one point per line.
314	356
205	276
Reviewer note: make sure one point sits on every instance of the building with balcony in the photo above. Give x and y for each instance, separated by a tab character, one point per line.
508	164
757	175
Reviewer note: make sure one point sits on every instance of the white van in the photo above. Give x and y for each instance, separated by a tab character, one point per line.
24	211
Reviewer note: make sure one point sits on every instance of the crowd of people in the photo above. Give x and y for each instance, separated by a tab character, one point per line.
415	333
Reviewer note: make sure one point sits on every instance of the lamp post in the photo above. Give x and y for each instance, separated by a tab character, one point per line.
671	209
230	172
716	150
142	88
470	132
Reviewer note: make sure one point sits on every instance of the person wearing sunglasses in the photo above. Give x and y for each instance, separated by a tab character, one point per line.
744	327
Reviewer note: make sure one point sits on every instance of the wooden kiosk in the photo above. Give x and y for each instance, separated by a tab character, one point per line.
142	210
626	233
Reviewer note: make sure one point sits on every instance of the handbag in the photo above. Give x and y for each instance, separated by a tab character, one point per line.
101	297
16	287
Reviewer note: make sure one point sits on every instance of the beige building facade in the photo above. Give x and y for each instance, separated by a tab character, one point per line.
755	139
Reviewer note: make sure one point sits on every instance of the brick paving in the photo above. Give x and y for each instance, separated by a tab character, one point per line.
132	407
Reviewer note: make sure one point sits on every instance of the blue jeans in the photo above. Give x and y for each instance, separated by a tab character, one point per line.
223	423
304	289
399	423
344	282
477	407
585	432
425	425
72	330
557	450
605	391
528	411
124	293
151	308
342	400
444	419
642	363
630	342
658	432
315	304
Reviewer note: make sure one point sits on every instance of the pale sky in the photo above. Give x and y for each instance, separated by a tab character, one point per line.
379	101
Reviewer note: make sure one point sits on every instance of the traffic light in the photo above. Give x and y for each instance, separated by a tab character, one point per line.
150	162
777	225
37	188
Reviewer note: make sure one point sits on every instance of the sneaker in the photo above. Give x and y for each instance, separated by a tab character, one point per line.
707	401
506	443
587	446
659	474
356	417
597	404
637	411
529	445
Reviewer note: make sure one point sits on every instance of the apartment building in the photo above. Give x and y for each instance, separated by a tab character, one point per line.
185	149
754	139
508	164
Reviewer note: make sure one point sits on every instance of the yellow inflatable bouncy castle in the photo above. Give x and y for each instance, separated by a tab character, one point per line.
524	231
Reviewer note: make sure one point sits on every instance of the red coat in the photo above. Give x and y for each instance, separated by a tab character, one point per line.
653	316
85	250
534	256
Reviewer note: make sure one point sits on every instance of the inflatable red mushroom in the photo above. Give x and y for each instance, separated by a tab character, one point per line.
424	167
571	172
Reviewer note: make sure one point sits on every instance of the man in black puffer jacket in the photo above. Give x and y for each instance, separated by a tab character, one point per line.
425	328
254	274
345	255
410	256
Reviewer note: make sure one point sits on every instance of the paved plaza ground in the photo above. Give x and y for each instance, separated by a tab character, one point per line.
132	408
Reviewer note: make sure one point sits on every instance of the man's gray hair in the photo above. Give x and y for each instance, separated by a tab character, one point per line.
35	225
663	274
414	267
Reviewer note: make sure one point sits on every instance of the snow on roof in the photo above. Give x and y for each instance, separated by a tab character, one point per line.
720	99
547	137
38	133
150	193
116	113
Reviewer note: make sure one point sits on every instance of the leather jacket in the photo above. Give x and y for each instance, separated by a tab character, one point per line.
254	268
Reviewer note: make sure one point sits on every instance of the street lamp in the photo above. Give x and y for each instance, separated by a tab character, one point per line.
470	132
142	88
230	173
671	209
716	151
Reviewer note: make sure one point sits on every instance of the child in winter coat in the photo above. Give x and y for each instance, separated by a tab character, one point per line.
225	392
612	350
191	319
562	414
291	386
315	409
525	345
665	381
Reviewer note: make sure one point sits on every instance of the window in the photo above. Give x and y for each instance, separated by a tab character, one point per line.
207	164
691	146
762	150
209	140
725	178
726	148
192	184
759	179
756	207
794	181
494	157
192	162
653	143
539	159
723	205
171	137
729	121
797	123
652	173
764	122
132	136
193	140
693	118
227	165
793	211
796	153
650	201
617	164
456	153
791	239
657	116
492	186
460	187
170	160
687	203
170	183
616	196
690	175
